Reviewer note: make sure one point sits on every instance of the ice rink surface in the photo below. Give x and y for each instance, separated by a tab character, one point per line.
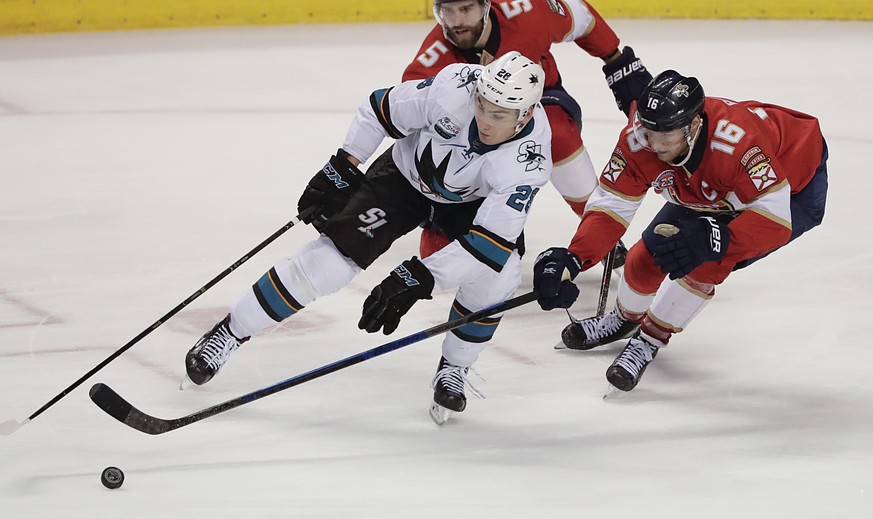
134	167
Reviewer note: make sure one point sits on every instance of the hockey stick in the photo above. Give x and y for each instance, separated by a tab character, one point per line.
120	409
10	426
604	282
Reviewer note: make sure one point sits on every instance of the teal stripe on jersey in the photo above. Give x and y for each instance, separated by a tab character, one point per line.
380	106
274	298
477	332
487	247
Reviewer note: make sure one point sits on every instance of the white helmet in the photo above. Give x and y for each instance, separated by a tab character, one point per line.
512	81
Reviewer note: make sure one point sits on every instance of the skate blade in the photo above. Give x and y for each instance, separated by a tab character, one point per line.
439	414
561	346
612	393
186	383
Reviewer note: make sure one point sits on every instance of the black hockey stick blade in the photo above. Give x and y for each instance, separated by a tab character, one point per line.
120	409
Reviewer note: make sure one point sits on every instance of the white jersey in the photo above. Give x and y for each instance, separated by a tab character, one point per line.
439	152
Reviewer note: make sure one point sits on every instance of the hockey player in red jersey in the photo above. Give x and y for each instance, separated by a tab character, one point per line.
741	180
477	31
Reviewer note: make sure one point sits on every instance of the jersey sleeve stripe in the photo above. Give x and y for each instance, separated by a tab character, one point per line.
274	297
485	246
772	217
382	109
476	332
581	17
635	199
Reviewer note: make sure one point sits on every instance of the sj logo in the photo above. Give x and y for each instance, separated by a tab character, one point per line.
372	219
529	154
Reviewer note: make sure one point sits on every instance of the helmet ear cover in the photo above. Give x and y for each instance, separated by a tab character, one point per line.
670	101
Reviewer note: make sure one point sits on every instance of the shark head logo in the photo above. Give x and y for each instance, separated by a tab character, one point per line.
467	77
432	176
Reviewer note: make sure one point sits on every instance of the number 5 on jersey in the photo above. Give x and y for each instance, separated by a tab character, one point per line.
432	54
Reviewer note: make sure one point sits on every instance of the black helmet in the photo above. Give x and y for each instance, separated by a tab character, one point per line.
670	101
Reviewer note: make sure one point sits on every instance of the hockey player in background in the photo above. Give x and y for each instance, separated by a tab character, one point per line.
477	31
741	180
472	149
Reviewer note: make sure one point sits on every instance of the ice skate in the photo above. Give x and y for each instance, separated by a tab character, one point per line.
210	353
448	391
627	369
597	331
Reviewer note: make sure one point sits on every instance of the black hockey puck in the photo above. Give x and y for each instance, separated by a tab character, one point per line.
112	477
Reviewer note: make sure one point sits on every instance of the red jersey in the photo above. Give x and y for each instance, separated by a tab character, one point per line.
528	26
748	159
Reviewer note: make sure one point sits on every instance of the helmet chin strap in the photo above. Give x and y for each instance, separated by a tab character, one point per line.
691	140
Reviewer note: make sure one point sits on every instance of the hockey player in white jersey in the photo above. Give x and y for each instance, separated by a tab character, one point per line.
472	151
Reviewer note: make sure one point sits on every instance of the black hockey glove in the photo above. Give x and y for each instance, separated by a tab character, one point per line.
553	290
395	295
690	243
330	190
627	77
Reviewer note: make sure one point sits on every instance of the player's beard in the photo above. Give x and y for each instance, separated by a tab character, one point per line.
468	36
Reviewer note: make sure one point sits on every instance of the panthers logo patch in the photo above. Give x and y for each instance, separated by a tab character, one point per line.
763	176
757	163
614	168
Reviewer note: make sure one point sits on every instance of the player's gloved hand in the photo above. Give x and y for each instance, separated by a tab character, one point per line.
690	243
330	190
395	295
554	270
627	77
